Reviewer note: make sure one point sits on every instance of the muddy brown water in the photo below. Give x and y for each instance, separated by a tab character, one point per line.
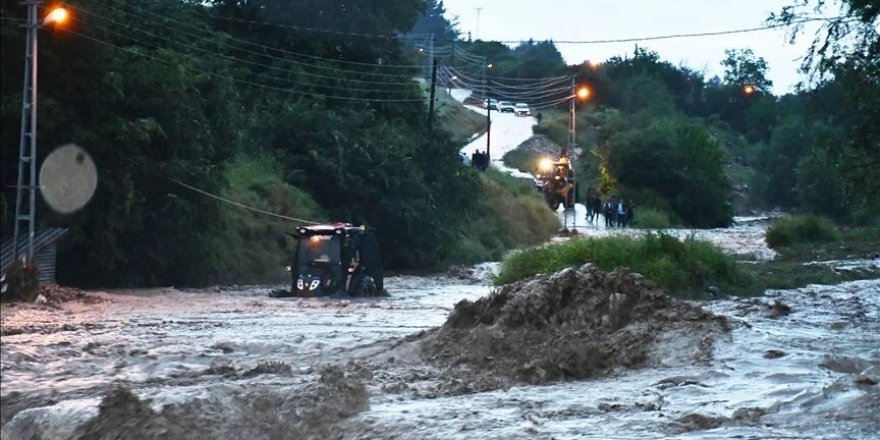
233	363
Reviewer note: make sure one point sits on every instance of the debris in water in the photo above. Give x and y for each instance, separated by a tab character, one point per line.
779	308
575	324
773	354
695	422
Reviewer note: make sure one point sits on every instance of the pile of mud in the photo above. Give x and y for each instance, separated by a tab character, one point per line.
575	324
316	411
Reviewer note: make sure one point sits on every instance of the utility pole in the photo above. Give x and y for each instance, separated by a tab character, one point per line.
431	53
26	189
571	118
433	88
488	83
478	22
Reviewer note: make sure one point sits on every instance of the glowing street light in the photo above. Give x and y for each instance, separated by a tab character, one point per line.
583	92
26	188
748	89
58	16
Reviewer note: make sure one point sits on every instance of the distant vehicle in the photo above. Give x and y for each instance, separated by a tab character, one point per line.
491	104
335	259
505	107
521	109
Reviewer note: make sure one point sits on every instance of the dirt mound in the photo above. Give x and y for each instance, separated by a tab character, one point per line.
575	324
316	411
542	144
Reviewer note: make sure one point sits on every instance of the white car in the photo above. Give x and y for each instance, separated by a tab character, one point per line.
521	109
491	104
505	107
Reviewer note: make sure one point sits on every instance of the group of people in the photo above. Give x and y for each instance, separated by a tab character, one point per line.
616	211
480	160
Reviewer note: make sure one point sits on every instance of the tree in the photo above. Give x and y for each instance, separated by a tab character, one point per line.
677	159
742	68
847	48
433	22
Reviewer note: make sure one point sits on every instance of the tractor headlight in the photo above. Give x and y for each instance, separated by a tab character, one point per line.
299	284
314	284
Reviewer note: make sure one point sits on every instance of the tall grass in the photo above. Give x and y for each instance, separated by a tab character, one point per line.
800	229
683	267
509	214
257	247
525	161
650	218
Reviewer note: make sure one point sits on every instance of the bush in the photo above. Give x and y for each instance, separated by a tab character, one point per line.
509	214
525	161
683	267
22	283
799	229
650	218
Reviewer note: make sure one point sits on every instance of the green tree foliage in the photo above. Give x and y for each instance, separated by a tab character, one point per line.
167	91
744	68
433	22
679	160
846	48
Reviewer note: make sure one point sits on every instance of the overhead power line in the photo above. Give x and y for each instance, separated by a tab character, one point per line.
239	80
242	205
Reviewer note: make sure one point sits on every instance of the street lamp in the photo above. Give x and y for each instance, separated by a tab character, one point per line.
26	195
583	93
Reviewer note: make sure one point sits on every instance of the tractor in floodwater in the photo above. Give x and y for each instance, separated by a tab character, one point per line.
555	180
335	259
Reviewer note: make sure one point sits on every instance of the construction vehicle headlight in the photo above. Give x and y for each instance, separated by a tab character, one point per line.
302	231
299	284
314	285
339	231
545	164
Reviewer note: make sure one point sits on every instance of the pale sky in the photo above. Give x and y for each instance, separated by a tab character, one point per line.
609	19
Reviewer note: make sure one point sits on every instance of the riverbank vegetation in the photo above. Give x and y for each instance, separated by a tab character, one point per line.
691	268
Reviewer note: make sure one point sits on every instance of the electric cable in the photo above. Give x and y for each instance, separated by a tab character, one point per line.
238	80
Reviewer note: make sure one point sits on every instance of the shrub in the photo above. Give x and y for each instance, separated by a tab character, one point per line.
799	229
683	267
650	218
509	214
525	161
21	283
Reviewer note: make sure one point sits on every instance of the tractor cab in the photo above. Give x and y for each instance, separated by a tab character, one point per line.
335	259
555	179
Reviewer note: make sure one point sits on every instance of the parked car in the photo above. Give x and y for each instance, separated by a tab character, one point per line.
491	104
521	109
505	107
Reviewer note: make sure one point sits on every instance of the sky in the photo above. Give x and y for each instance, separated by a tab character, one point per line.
613	19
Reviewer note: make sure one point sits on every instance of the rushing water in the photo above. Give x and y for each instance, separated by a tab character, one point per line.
808	374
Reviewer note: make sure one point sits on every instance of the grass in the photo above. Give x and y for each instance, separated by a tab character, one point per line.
650	218
258	247
778	274
685	268
525	161
510	214
850	243
788	231
457	119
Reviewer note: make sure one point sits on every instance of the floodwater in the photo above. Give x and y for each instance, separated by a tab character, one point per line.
810	373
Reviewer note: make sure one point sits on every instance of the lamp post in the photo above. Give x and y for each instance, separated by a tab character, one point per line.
26	194
582	93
